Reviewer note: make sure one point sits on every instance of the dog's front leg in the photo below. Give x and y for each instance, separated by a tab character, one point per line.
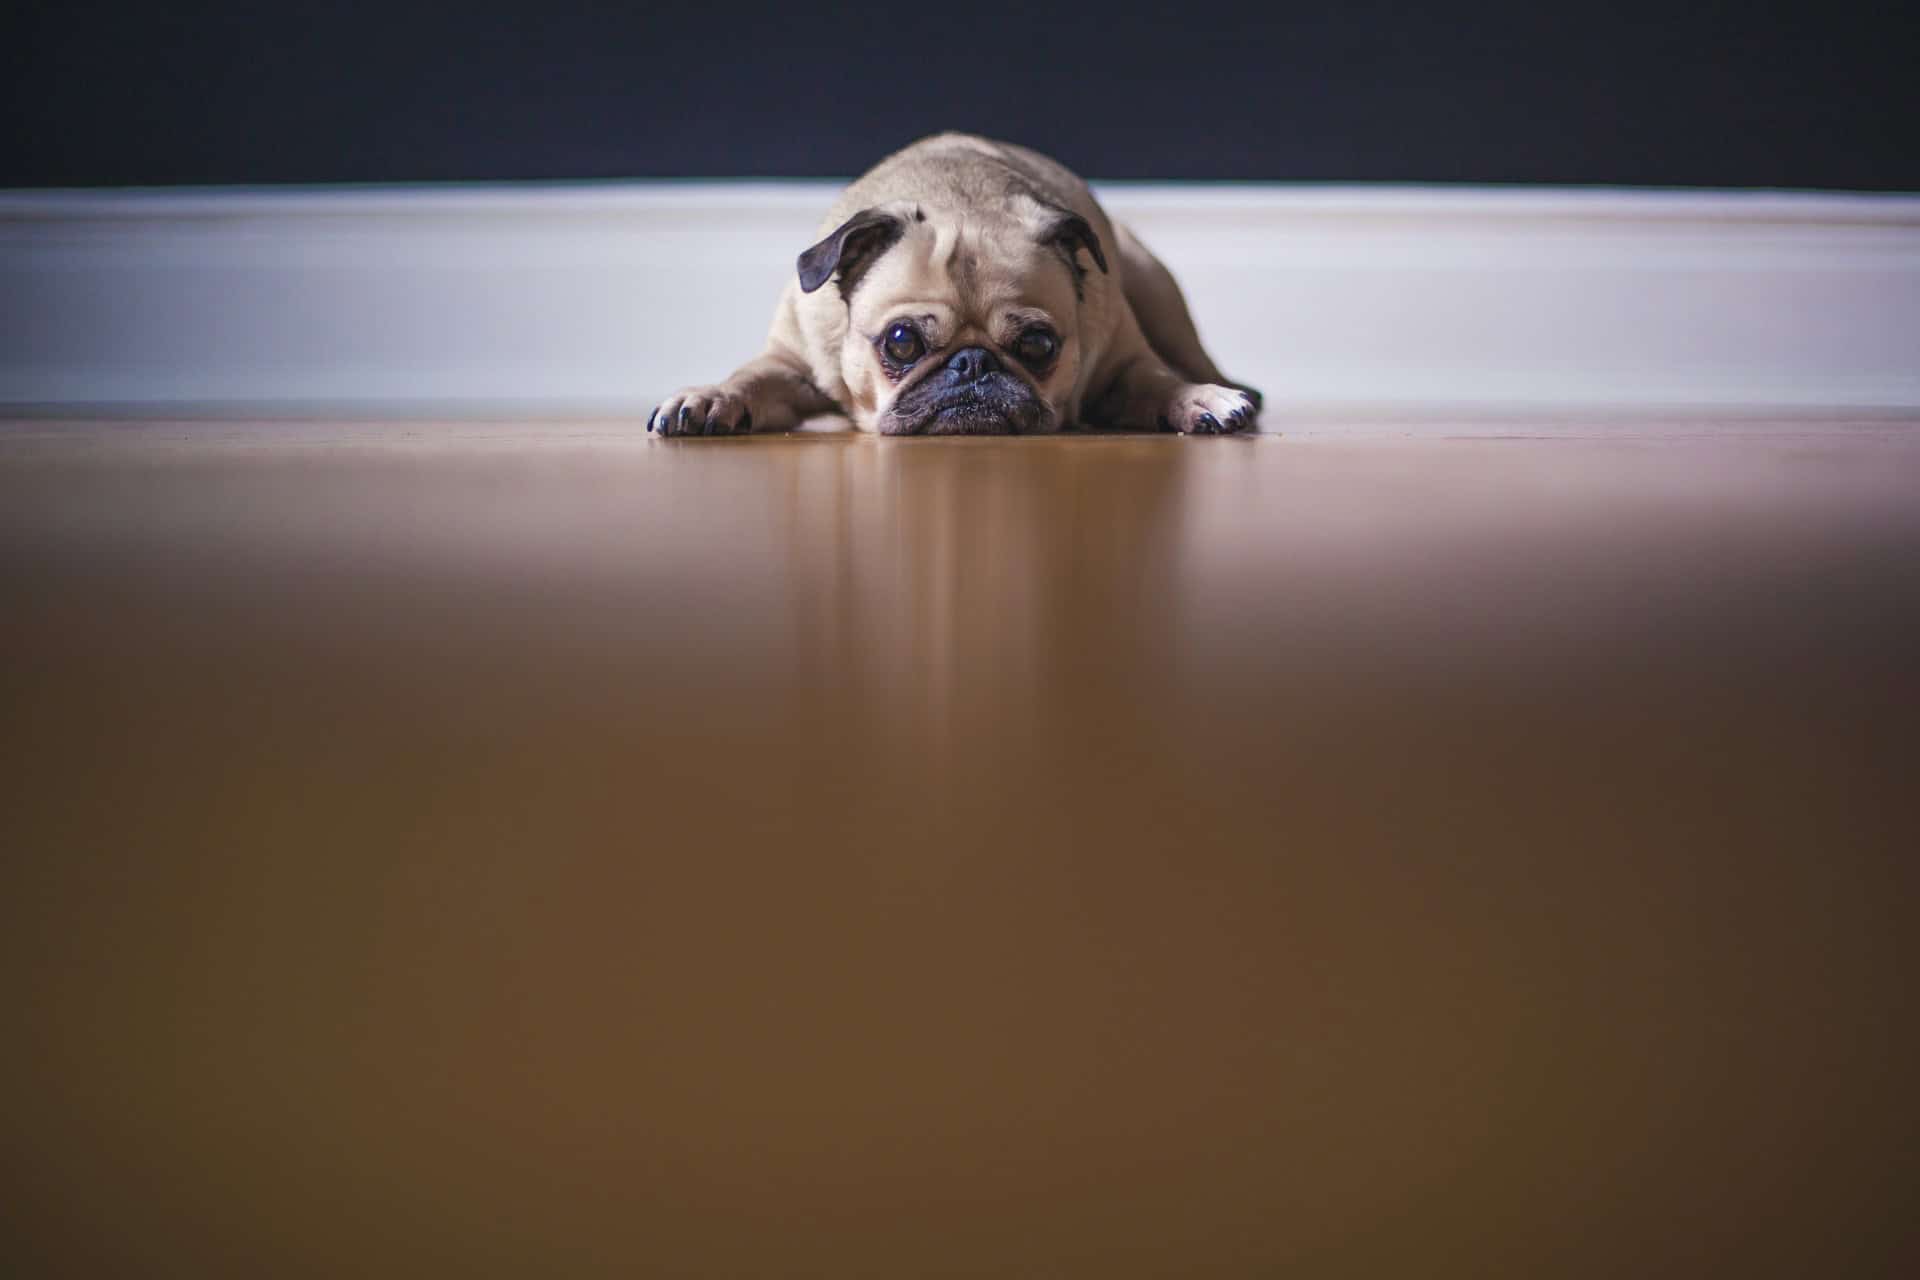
1145	394
771	393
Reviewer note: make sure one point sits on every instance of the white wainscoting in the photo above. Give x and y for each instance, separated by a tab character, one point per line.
596	299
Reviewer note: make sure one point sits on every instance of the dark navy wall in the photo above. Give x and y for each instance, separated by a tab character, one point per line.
1704	93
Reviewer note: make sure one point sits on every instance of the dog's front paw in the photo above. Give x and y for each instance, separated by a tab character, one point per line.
702	411
1203	409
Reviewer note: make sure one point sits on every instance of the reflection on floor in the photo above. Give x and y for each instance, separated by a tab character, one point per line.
520	849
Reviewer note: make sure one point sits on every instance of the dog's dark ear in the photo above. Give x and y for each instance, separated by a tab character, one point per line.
851	244
1072	233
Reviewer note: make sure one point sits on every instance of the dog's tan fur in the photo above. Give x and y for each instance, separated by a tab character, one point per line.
980	242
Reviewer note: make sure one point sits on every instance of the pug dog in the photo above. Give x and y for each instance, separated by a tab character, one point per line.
971	287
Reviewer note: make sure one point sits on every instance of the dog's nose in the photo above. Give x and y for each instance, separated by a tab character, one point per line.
970	364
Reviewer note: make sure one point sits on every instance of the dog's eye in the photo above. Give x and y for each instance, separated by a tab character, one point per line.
1036	346
904	344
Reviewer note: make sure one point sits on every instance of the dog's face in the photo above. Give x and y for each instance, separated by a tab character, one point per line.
958	324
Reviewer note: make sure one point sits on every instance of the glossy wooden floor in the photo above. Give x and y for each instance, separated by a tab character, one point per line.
545	850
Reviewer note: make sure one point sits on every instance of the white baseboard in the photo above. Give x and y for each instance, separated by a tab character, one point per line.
597	299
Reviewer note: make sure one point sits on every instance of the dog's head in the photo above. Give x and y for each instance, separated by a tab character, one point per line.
959	322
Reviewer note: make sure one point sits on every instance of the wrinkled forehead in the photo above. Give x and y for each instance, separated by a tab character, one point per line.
970	270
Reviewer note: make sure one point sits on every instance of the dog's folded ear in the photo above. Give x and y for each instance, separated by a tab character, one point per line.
849	247
1072	233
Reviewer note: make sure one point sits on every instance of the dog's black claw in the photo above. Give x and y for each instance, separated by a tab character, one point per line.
651	417
1209	424
745	424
